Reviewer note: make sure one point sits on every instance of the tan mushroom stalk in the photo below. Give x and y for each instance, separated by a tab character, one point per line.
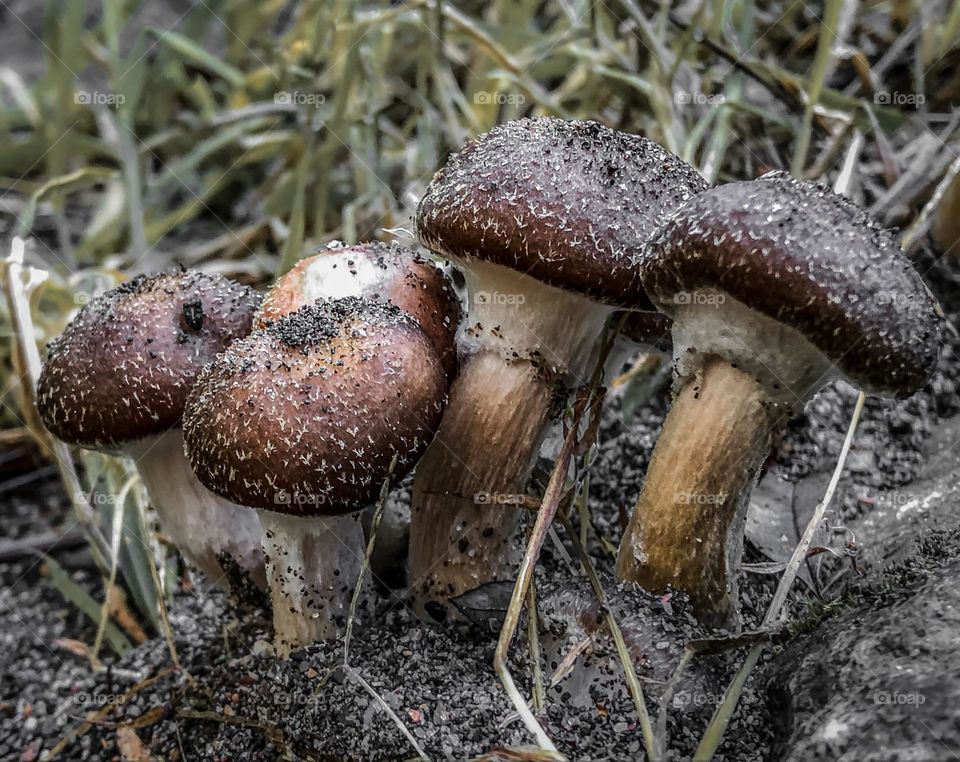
545	218
300	421
117	380
775	287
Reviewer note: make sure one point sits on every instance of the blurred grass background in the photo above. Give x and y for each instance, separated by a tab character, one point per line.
235	136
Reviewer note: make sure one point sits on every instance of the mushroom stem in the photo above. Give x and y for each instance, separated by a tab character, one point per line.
201	524
524	345
313	564
686	532
483	454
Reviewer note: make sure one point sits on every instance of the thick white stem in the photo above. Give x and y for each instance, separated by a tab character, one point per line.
202	525
312	568
523	343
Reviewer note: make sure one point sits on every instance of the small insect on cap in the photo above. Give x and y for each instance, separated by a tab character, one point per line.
305	416
122	369
373	270
569	203
801	255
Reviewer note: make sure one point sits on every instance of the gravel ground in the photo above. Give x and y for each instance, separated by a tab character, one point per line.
239	703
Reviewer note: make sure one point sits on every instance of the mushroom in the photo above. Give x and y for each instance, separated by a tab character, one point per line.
116	381
372	270
545	217
390	273
775	287
300	421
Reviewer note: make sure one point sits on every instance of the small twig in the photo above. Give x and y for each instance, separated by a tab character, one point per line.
922	223
98	715
44	542
353	673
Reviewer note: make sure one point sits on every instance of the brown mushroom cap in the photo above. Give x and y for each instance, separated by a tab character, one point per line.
304	416
800	254
122	369
373	270
569	203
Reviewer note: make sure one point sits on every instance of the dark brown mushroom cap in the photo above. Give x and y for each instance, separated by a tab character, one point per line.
400	276
304	416
567	202
122	369
800	254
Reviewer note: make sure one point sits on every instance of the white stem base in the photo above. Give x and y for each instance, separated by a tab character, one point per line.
201	524
312	565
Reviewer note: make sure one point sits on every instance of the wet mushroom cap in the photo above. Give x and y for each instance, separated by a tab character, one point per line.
374	270
122	369
304	416
800	254
569	203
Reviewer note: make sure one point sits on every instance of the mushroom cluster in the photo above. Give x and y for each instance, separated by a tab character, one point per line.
262	429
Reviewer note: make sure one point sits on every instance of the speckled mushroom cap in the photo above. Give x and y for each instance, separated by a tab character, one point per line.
800	254
304	416
567	202
373	270
123	367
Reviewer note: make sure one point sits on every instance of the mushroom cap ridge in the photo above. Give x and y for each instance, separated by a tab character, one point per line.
123	367
570	203
798	253
304	416
406	279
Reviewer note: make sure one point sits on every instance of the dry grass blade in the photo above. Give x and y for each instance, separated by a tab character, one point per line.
630	674
15	289
821	64
365	564
587	400
115	536
724	711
